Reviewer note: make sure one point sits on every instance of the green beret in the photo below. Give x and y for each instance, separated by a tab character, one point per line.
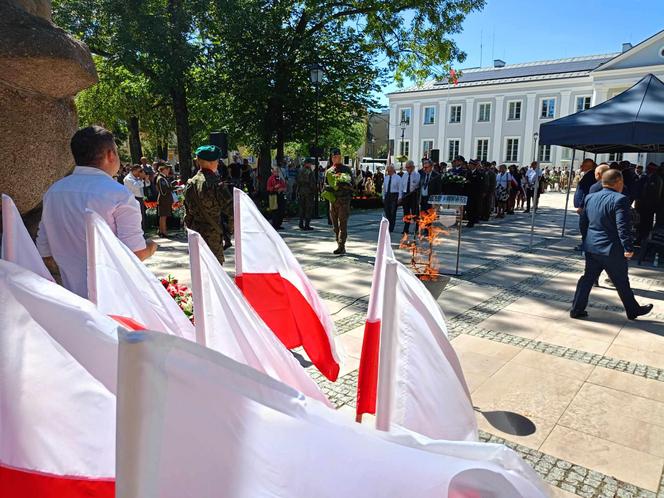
310	160
208	152
334	151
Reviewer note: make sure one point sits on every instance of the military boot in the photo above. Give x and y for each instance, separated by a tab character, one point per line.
307	225
340	250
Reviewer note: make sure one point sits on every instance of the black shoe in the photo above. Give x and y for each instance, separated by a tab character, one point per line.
578	248
643	310
340	250
470	225
279	228
301	225
227	244
527	211
307	227
164	235
578	314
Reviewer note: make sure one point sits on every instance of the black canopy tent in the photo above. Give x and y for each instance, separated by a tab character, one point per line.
632	121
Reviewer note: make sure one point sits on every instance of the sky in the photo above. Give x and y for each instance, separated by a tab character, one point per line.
526	31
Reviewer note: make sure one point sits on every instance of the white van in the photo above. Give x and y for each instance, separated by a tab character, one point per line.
373	164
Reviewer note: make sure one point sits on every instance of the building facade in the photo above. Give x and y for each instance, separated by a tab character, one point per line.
493	113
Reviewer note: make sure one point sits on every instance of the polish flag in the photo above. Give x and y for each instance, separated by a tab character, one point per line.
420	382
368	373
193	422
454	77
17	245
423	375
276	286
226	323
58	373
121	285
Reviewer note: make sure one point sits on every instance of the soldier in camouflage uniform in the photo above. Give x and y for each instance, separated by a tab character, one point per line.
342	193
208	202
306	192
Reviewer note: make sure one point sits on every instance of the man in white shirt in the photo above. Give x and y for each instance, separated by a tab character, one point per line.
532	183
61	237
391	195
410	199
136	181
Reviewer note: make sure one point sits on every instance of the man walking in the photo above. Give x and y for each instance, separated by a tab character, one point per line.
306	192
430	184
410	187
607	242
61	237
391	195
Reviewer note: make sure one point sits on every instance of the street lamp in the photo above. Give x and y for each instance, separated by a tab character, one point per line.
316	74
535	193
402	125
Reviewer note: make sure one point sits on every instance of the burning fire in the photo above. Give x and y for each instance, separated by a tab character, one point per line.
423	260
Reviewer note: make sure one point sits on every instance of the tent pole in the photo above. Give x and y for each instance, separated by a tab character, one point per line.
569	187
535	193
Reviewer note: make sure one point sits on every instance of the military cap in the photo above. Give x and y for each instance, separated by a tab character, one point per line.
310	160
475	161
335	151
208	152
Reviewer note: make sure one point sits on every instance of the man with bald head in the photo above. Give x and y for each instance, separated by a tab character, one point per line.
599	171
391	195
607	243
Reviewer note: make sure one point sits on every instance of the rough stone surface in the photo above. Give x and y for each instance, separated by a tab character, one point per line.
41	70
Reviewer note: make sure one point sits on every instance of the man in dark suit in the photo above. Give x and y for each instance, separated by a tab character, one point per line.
607	242
430	184
583	189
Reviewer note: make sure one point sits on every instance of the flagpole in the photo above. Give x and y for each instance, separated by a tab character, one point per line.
388	350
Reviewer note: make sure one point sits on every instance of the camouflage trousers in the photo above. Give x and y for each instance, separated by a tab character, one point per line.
306	206
340	212
215	242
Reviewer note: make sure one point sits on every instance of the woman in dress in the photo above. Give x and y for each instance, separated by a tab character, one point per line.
503	188
164	197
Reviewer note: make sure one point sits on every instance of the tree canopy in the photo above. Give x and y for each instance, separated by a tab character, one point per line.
243	65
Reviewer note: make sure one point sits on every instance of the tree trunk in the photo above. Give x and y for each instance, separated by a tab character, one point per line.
264	165
160	150
164	148
135	149
182	131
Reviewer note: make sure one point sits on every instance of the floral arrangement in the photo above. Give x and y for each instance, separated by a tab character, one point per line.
453	178
333	179
181	294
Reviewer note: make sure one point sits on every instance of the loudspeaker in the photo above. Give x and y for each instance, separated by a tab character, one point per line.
346	159
434	155
220	139
316	151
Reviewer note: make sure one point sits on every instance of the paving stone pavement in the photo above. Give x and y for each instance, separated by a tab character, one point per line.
631	366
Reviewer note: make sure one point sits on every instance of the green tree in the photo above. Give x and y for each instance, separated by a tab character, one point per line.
158	39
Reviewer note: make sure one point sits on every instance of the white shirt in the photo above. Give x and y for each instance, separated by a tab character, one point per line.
394	187
532	175
414	182
62	227
135	185
503	179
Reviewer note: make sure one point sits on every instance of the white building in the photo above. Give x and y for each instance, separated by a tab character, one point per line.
494	112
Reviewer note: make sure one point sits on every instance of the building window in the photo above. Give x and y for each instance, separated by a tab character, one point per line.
566	154
615	157
512	150
404	148
429	115
453	147
405	116
484	113
514	111
548	108
427	145
544	154
482	149
582	103
455	114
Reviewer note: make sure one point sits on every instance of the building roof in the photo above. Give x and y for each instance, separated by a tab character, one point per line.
573	67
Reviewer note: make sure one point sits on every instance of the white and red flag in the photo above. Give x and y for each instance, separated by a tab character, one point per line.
193	422
58	372
368	373
278	289
409	374
122	286
226	323
17	245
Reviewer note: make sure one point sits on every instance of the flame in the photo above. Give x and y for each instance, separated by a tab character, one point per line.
423	259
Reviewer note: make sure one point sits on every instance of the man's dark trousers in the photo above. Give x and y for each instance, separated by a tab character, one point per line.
411	206
616	268
390	208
